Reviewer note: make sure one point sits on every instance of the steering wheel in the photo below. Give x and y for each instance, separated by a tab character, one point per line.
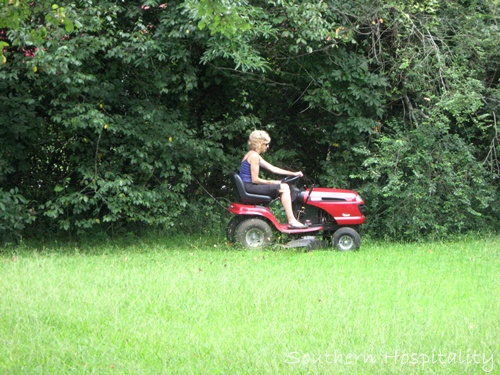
290	179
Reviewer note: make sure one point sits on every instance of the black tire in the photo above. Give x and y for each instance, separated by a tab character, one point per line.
346	239
231	228
254	234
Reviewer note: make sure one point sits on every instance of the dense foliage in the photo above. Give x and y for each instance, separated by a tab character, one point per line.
132	114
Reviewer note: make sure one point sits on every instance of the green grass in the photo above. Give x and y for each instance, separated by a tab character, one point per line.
198	307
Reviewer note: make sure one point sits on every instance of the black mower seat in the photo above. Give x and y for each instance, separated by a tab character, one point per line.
249	198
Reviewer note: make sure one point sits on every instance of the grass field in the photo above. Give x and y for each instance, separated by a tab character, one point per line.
187	306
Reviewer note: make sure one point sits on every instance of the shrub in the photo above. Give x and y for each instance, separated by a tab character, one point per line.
425	182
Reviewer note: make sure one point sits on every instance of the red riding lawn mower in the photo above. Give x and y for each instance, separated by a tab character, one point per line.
332	214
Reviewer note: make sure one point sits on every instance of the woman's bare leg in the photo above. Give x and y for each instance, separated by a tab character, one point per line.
286	201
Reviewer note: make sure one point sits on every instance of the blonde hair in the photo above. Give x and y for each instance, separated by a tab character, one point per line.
257	137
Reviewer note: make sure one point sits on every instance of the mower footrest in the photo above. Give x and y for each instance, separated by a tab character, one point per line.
285	229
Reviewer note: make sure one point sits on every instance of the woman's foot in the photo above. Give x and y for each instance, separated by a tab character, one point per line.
297	225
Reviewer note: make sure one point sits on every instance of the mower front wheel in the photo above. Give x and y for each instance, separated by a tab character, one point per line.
254	234
346	239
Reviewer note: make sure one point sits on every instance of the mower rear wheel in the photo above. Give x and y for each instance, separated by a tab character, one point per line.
231	228
346	239
254	234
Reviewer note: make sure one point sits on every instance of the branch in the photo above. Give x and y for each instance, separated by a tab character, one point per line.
492	157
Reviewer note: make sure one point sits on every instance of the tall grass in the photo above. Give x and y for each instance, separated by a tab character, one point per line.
199	307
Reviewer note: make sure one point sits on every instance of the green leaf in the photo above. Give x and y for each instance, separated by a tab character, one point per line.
69	26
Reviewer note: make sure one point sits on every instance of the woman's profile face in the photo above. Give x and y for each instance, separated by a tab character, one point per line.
264	146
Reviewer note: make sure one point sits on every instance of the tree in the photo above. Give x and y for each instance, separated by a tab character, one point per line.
126	113
427	165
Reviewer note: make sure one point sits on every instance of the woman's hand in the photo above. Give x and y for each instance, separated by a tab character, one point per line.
298	174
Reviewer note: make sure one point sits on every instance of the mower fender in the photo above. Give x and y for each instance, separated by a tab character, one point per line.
254	210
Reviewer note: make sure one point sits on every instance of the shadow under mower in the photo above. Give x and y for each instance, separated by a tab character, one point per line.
333	215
